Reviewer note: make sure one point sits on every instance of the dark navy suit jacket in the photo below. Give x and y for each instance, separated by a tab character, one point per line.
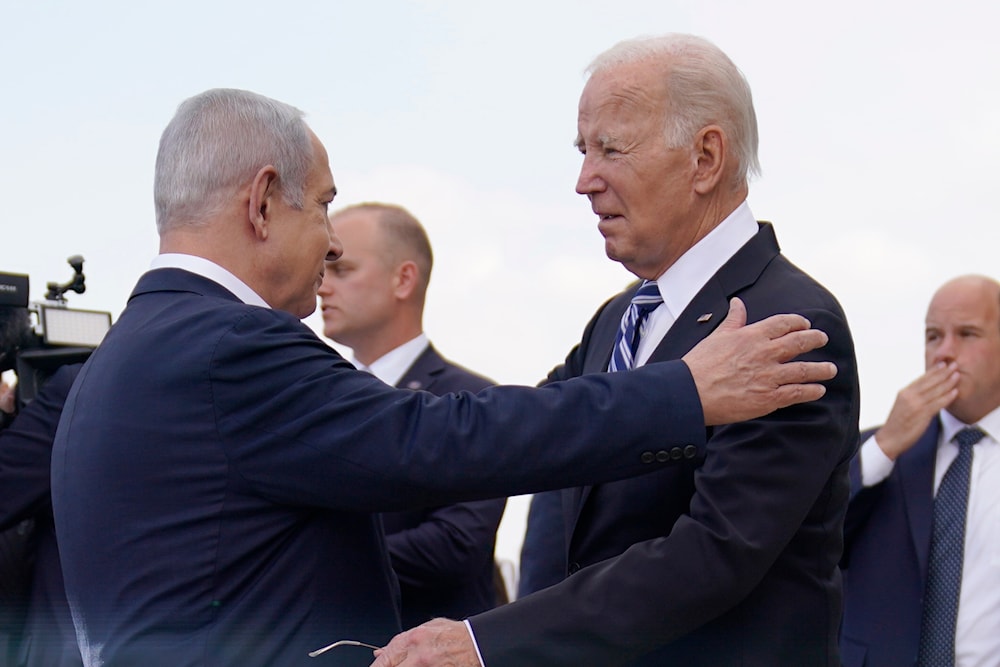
887	544
25	456
443	555
725	561
218	469
543	553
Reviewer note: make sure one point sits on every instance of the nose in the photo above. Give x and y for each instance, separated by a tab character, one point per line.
336	248
325	286
588	182
945	349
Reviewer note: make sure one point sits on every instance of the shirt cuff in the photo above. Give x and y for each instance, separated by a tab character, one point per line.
875	465
475	644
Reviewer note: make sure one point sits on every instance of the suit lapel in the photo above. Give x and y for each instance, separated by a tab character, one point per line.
688	331
702	315
424	371
599	347
916	478
710	305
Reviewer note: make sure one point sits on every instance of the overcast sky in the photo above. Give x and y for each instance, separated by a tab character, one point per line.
879	131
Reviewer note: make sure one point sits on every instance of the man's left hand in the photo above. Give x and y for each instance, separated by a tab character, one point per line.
437	643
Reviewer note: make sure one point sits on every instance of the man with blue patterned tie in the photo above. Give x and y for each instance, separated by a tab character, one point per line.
921	531
727	559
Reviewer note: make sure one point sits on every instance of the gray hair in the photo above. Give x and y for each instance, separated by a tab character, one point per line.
216	142
704	87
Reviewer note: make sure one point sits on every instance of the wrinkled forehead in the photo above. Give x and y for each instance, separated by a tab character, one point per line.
639	84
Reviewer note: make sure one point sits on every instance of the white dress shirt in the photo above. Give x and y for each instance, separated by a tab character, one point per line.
977	637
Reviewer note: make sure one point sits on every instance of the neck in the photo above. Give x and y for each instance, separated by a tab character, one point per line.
219	243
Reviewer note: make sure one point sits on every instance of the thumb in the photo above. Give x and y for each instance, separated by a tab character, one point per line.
737	316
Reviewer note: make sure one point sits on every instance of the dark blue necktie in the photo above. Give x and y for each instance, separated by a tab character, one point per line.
944	569
645	301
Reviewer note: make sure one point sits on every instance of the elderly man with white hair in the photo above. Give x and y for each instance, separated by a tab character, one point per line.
731	558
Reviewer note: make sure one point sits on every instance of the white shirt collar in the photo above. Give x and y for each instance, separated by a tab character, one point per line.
392	365
950	425
209	269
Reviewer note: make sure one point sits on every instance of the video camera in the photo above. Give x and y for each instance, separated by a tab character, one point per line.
36	338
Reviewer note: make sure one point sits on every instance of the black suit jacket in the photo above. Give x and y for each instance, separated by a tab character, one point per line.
25	456
543	553
723	561
443	555
887	544
217	471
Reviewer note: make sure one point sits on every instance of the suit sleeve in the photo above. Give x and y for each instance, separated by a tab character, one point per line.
26	451
298	424
759	480
543	554
449	546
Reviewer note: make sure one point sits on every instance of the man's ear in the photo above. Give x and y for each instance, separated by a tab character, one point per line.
407	276
263	190
711	151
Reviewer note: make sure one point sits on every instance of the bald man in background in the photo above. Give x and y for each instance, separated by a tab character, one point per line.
896	479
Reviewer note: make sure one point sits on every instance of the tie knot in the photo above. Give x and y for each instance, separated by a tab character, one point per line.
969	436
648	297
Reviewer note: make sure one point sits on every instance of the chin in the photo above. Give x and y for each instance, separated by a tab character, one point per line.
611	252
304	311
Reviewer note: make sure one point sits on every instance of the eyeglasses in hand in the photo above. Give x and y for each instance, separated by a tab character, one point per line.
342	642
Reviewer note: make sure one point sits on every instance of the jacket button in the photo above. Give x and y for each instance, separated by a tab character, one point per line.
662	456
690	452
647	457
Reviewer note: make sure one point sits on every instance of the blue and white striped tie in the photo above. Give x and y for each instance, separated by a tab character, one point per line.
645	301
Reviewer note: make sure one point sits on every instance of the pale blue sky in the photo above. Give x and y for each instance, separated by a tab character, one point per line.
879	136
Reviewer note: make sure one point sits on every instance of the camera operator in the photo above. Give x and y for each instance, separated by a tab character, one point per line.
15	330
35	625
39	631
